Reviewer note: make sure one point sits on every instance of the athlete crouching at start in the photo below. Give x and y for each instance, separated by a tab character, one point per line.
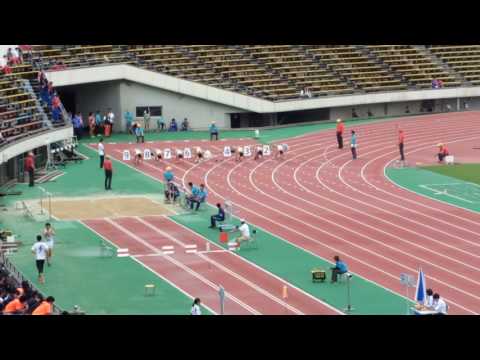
198	154
258	153
239	154
281	150
158	155
179	155
138	156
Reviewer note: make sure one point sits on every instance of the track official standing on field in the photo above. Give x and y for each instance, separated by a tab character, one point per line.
353	145
108	173
401	139
340	130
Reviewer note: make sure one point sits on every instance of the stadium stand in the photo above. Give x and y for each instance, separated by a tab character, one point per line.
280	72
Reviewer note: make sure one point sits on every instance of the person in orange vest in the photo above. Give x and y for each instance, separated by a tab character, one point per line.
401	140
45	308
30	168
16	306
442	152
340	130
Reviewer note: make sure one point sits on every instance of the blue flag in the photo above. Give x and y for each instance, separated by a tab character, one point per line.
420	293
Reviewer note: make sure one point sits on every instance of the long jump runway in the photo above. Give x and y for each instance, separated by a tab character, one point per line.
318	199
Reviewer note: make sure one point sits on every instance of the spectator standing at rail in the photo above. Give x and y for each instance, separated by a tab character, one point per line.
101	152
185	125
49	235
98	123
110	119
401	142
353	145
146	118
91	125
40	250
77	126
173	126
339	269
196	307
160	123
108	167
30	168
219	217
340	130
213	131
129	121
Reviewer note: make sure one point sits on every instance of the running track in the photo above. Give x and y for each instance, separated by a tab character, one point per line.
322	201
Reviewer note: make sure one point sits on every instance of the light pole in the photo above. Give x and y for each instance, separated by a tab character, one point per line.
349	307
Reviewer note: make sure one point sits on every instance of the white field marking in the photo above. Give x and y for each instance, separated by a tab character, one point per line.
148	268
252	285
181	265
369	215
239	277
366	214
419	203
336	250
247	210
444	192
426	196
264	270
389	212
360	234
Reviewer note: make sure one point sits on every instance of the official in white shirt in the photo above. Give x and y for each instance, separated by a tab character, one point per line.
40	250
101	152
439	305
429	299
196	310
244	231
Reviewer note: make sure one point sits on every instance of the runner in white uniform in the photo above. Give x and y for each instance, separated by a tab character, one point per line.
158	154
138	156
281	150
198	154
179	154
49	235
239	154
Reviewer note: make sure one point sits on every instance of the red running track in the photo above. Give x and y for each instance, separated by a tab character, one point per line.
249	289
322	201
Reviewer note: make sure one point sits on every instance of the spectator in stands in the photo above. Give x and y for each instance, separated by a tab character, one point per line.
339	269
45	307
108	173
128	116
354	113
20	55
442	152
57	115
98	123
465	106
407	110
440	83
353	145
173	126
213	131
185	125
434	84
146	118
110	121
369	113
219	217
40	250
3	62
30	168
196	310
91	124
55	100
1	138
25	289
160	123
16	307
34	302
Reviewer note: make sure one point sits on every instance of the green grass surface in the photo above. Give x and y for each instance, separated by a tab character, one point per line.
294	265
465	172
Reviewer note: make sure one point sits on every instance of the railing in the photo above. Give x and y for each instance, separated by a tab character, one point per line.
18	276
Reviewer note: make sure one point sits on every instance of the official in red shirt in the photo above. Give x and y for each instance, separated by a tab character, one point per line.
442	152
107	166
401	140
30	168
340	130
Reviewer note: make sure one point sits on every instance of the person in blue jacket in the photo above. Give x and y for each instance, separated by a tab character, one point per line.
340	268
